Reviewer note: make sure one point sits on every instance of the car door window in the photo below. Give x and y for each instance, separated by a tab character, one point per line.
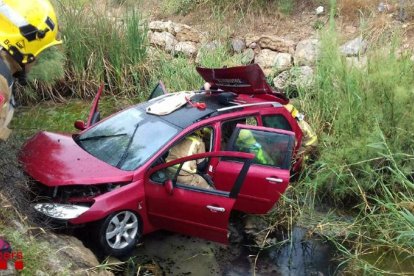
276	121
198	141
228	127
269	148
196	181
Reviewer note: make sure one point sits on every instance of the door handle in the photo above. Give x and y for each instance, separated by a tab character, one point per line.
215	209
274	179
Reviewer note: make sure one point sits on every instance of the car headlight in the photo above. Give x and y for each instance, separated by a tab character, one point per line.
61	211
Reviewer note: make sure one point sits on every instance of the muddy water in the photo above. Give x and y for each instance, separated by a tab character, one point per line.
172	254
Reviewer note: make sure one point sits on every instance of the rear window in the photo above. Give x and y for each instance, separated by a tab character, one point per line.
276	121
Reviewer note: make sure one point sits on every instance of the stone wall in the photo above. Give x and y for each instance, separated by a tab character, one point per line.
290	62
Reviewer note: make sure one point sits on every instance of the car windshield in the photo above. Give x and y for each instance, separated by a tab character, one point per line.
127	139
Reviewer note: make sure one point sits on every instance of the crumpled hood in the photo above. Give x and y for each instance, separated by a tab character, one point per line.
56	160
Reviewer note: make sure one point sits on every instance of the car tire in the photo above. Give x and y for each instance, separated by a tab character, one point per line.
119	233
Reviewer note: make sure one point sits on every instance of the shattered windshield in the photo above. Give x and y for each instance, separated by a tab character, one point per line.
119	141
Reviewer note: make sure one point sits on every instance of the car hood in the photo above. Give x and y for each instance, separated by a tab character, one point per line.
248	79
56	160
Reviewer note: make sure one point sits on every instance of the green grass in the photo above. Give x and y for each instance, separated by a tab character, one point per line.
103	47
366	163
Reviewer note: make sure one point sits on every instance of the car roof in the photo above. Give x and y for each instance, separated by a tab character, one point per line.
187	115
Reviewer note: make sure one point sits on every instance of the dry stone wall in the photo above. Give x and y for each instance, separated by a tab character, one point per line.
291	62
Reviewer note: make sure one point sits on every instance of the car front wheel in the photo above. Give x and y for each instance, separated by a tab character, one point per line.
119	233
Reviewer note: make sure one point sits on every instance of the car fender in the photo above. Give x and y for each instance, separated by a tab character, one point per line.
129	197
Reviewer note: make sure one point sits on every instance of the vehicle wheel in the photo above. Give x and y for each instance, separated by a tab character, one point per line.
119	233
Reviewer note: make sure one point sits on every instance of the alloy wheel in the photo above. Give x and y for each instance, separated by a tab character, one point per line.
122	230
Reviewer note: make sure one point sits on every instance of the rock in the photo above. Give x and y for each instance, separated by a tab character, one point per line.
266	58
385	8
280	82
283	61
211	46
162	26
412	58
268	71
303	76
251	40
355	47
320	10
271	42
164	40
247	56
238	45
186	33
270	59
253	45
357	62
295	78
307	52
71	255
188	49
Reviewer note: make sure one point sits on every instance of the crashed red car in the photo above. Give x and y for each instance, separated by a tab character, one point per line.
114	172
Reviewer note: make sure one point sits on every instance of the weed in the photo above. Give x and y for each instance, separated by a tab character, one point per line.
106	48
366	159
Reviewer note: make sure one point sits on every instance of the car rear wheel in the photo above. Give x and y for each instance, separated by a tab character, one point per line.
119	233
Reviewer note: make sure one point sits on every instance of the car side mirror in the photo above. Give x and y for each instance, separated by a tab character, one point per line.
79	124
169	187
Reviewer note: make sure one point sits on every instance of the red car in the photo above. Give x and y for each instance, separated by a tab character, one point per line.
114	173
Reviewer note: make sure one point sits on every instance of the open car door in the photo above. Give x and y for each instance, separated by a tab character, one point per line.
158	90
269	173
187	209
94	114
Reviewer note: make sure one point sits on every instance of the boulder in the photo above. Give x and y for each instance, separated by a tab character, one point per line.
164	40
162	26
271	42
307	52
283	61
266	58
355	47
270	59
238	45
247	56
280	82
72	255
187	48
296	78
251	40
186	33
